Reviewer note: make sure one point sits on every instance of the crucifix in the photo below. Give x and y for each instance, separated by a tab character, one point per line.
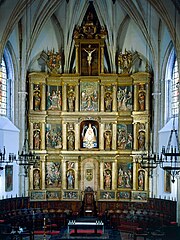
89	57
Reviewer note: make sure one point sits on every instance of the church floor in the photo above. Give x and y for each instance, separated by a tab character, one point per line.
110	234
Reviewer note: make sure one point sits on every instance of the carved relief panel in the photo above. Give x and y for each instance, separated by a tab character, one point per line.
53	136
54	98
124	98
124	136
89	96
53	174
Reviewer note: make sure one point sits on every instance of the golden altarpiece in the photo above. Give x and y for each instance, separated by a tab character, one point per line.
89	126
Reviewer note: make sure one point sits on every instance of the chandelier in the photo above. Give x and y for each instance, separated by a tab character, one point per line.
169	159
170	156
25	158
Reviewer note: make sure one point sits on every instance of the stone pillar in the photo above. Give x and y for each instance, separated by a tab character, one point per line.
63	174
101	175
114	136
43	97
114	96
102	98
178	201
64	97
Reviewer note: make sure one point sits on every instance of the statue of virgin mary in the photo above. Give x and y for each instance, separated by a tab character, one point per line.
89	135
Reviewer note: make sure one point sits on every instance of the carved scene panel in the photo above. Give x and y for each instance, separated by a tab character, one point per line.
125	98
53	175
125	175
54	98
89	92
124	136
54	136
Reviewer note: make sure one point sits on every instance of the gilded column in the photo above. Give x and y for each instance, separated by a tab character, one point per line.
102	59
135	147
147	97
134	173
64	97
101	175
43	171
102	98
77	98
43	136
114	95
114	136
64	134
31	135
43	97
101	136
77	58
63	174
146	181
76	175
114	175
136	108
31	96
31	178
77	144
147	137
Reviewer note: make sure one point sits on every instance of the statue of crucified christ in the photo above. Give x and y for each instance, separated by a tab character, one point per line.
89	56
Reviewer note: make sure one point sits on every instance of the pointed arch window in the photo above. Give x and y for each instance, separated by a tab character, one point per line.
3	88
175	90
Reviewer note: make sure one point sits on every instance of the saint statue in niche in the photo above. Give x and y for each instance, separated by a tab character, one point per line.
70	179
36	179
141	98
89	136
141	180
37	98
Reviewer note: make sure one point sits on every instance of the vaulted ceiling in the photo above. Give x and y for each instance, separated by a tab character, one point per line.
145	26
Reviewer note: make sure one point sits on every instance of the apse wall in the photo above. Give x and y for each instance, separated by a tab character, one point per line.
166	189
9	178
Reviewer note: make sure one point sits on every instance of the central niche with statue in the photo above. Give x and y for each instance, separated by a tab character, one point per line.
89	134
88	126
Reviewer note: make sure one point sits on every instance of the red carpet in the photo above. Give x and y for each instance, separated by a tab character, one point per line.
86	231
41	232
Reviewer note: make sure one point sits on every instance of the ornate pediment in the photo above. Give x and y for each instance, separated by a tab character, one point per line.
90	29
